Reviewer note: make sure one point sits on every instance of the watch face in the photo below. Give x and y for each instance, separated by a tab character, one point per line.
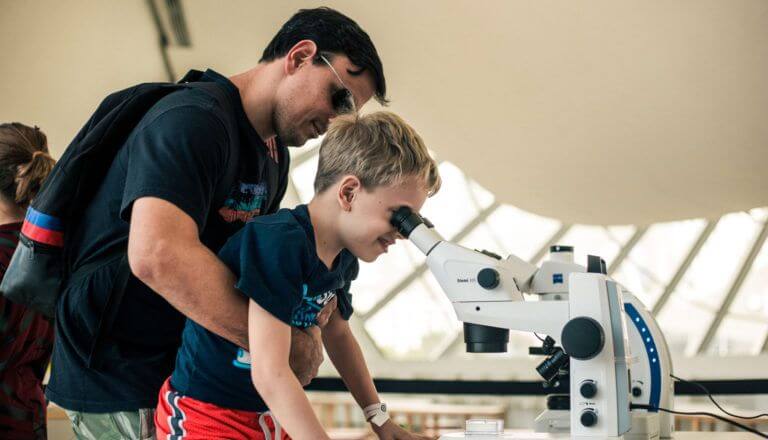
383	407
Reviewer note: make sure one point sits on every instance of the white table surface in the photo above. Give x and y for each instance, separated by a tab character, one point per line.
529	435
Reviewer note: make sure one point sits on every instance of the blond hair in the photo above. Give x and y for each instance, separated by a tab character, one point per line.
379	149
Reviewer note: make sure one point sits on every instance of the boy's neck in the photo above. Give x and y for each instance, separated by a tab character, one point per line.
327	243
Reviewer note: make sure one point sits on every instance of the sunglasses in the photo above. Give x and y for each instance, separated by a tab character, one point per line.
342	100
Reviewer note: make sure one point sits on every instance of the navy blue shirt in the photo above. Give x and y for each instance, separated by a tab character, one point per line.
178	152
276	263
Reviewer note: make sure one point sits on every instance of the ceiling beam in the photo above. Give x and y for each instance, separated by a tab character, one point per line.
662	301
162	40
626	249
725	306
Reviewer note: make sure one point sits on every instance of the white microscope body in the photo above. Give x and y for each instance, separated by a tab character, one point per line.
650	366
583	310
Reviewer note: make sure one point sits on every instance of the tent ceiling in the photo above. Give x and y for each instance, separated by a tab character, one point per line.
586	111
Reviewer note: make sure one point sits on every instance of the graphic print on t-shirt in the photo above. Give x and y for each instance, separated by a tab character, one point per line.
305	315
245	202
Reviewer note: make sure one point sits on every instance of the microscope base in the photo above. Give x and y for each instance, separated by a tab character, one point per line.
645	426
521	435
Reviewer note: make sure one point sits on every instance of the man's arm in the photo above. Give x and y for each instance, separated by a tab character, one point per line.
272	377
165	253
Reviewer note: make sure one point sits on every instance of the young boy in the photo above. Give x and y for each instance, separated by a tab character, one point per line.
291	264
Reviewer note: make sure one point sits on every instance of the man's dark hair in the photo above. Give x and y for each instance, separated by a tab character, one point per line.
332	32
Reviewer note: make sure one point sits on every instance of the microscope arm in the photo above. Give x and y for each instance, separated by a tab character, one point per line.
483	288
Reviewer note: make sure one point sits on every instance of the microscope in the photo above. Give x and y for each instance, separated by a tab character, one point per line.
581	308
650	363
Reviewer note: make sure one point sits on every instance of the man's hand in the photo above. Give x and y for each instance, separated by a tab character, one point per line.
307	346
325	315
390	431
306	353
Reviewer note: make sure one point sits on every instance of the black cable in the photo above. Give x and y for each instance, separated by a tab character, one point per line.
706	391
706	414
537	335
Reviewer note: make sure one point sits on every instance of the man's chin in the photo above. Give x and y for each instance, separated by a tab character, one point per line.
289	141
291	138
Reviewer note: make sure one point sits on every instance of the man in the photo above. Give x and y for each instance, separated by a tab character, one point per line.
161	197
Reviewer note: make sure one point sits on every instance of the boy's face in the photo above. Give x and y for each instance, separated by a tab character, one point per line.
365	228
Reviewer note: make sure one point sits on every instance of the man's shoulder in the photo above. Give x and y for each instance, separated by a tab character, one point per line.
199	105
194	99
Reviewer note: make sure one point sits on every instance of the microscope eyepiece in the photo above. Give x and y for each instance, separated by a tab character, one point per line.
406	221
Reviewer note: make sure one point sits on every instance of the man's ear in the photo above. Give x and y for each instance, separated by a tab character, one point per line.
349	187
301	53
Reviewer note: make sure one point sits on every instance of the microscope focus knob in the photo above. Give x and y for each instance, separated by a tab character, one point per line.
588	389
637	392
488	278
582	338
588	417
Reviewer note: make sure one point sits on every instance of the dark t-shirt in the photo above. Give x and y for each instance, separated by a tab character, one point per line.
179	152
276	264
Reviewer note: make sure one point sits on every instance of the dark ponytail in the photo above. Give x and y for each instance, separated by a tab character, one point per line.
24	162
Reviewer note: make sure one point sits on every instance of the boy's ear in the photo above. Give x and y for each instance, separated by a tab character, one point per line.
348	189
301	53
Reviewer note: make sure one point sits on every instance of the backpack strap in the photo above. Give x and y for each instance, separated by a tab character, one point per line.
115	298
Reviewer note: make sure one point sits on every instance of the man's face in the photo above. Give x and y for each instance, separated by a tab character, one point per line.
305	100
366	228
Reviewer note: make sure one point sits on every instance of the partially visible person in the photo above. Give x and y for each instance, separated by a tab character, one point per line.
27	336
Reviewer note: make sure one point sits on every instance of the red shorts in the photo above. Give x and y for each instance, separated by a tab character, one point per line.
181	417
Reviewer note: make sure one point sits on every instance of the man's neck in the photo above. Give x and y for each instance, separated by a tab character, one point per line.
326	238
257	92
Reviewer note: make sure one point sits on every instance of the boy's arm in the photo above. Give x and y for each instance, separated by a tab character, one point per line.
345	353
270	341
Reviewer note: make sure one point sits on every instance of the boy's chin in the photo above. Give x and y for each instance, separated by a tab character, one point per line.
368	257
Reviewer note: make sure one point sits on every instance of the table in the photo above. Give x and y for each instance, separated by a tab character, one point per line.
515	434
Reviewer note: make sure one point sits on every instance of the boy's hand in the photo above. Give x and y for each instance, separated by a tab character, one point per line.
390	431
306	353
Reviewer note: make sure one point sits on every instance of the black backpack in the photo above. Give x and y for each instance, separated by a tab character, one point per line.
38	269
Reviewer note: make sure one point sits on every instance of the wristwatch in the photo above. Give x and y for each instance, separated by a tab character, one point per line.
376	413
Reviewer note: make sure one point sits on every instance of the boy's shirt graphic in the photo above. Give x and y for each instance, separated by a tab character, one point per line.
305	315
276	264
